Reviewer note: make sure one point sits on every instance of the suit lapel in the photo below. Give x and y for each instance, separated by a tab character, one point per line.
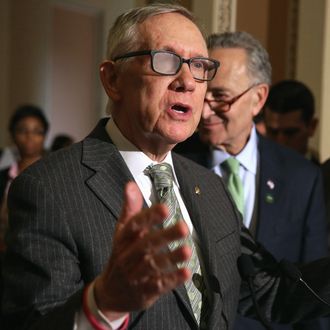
207	231
269	192
110	171
186	193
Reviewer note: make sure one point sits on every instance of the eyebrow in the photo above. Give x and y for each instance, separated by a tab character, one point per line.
219	90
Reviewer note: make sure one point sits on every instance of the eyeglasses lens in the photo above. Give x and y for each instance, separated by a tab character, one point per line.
169	64
166	63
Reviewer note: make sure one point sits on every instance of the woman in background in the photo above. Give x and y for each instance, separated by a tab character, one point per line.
28	127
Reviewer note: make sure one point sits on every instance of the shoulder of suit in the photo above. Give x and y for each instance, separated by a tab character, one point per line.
284	156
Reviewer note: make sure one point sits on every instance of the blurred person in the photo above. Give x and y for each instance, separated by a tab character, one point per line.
118	232
290	116
61	141
28	127
280	192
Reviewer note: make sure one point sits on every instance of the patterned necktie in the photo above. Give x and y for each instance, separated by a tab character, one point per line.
162	178
234	183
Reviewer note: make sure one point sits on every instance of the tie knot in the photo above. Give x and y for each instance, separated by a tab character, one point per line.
232	165
161	175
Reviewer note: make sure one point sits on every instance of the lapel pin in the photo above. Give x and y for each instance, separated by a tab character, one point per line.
269	198
270	184
197	190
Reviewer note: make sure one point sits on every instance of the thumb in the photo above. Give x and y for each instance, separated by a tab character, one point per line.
133	201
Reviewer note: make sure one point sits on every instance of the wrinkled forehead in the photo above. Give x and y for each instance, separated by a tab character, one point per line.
175	32
233	72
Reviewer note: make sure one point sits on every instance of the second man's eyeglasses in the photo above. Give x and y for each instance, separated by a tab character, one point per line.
222	105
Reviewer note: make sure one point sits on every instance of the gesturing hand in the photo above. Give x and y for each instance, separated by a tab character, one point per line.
141	267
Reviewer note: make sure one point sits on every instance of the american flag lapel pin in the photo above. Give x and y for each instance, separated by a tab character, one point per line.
269	195
270	184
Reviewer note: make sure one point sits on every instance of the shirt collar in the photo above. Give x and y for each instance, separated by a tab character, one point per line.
247	157
134	158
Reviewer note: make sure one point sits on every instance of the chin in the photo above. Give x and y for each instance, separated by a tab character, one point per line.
179	135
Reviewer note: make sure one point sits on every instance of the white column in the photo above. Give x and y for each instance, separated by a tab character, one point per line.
325	85
311	61
216	15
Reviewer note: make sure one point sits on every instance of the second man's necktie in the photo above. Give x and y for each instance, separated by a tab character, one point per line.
234	182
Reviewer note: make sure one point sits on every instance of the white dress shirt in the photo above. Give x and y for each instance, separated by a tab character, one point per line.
248	159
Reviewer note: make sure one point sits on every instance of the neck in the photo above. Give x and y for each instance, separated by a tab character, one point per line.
157	154
236	145
27	161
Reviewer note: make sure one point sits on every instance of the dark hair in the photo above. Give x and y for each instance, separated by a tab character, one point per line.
25	111
291	95
61	141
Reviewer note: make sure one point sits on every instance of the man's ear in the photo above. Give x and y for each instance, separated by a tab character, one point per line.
260	97
109	78
312	126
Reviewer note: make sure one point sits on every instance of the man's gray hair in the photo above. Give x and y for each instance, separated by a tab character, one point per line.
123	37
259	67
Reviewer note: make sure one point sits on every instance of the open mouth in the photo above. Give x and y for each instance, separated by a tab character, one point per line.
180	108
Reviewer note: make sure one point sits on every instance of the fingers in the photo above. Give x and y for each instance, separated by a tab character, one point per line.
151	260
133	201
141	263
132	212
165	262
165	283
157	239
135	222
159	274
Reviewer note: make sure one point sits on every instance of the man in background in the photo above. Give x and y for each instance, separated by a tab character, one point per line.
290	116
277	191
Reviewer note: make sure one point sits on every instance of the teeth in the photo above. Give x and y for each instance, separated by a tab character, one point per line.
179	108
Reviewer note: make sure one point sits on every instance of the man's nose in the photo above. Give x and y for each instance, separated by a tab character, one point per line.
207	110
281	138
184	80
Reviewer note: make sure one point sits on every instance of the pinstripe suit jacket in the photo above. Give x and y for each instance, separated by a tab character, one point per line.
63	211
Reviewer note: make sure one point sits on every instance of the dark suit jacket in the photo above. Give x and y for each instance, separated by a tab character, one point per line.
63	211
290	209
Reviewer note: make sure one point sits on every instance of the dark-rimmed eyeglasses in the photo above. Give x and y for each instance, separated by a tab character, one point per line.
222	105
167	63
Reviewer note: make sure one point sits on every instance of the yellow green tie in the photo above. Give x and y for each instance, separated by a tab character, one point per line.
234	182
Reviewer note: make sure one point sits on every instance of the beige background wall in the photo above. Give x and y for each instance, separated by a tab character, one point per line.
74	84
4	69
33	31
63	82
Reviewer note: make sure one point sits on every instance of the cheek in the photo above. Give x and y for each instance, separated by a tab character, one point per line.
19	140
40	141
299	139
